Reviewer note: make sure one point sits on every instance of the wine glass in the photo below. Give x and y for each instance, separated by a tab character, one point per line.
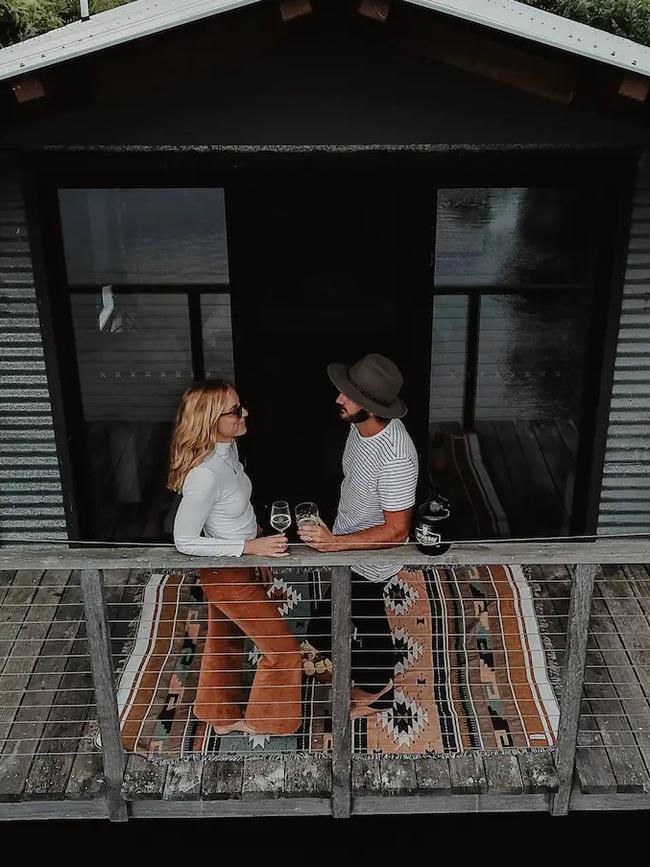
280	516
307	515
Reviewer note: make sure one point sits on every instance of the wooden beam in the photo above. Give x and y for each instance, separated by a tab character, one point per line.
601	551
101	663
487	55
341	658
634	87
376	10
582	591
28	87
290	9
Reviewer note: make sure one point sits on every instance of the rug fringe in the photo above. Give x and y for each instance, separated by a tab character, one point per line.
269	756
553	667
505	751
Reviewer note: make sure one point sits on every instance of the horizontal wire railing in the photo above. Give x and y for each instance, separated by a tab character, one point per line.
614	708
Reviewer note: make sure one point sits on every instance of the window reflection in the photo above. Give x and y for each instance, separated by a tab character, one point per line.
514	281
144	236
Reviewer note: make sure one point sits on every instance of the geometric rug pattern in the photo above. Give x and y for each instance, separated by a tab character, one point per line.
473	670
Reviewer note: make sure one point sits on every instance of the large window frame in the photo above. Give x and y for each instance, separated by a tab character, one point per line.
44	174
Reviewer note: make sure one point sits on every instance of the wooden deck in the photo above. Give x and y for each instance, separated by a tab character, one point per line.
531	468
613	755
49	765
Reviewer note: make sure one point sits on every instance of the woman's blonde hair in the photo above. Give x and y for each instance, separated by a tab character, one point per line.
196	428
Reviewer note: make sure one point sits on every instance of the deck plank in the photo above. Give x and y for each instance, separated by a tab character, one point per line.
6	583
629	621
23	631
86	780
548	506
65	734
503	775
14	610
561	465
537	772
639	582
593	768
143	779
308	775
50	774
569	434
263	777
618	739
222	779
624	648
366	774
398	775
497	467
184	780
433	774
24	717
595	760
467	774
520	510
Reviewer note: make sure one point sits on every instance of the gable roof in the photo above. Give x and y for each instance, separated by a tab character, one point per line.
106	29
519	19
141	18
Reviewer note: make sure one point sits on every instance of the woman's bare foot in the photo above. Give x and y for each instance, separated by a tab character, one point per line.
238	725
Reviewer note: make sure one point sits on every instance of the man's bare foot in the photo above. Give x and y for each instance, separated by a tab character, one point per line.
360	710
362	701
315	664
361	697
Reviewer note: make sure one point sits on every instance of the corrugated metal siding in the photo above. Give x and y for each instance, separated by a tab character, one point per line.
31	501
625	496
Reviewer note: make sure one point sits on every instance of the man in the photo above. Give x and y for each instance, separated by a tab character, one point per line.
380	471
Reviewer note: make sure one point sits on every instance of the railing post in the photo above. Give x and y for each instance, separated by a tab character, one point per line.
101	663
341	736
577	633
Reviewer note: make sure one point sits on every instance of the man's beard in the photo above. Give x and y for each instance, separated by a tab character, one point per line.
357	418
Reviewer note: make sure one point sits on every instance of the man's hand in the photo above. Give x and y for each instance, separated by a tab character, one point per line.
319	538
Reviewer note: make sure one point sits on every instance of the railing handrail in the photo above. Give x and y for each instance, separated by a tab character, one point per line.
596	552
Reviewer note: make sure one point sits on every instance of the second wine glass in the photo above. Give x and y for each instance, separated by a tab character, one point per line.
307	515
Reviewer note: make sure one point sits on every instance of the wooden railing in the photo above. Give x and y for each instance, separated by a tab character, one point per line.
584	557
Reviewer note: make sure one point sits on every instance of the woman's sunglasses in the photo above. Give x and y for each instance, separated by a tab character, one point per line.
236	410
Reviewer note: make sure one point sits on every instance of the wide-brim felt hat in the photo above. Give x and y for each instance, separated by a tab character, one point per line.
374	383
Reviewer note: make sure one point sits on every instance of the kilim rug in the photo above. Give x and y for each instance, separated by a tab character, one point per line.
476	671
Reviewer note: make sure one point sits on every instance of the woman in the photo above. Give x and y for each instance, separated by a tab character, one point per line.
205	467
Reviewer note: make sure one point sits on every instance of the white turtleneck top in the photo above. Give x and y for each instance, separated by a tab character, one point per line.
215	516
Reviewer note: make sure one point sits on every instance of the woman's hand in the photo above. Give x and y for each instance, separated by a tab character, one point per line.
267	546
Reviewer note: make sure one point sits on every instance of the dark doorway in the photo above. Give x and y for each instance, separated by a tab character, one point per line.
329	270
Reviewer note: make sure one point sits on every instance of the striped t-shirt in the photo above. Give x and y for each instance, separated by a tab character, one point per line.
380	474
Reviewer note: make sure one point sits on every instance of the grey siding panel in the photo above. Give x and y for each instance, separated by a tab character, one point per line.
625	493
31	499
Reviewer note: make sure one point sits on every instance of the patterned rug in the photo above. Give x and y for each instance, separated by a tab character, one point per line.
476	671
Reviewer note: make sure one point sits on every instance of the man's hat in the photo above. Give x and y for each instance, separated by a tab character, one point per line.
374	383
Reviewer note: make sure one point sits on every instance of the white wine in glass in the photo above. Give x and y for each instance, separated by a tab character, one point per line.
307	515
280	516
